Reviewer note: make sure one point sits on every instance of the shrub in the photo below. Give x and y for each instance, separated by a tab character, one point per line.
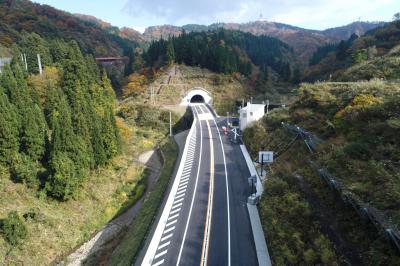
357	150
23	169
14	229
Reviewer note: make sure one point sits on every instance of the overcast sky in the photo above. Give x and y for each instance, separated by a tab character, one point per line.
311	14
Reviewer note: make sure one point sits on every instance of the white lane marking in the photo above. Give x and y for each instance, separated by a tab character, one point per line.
177	205
183	183
167	231
179	200
180	196
194	194
173	217
165	244
166	237
171	223
208	223
184	179
227	194
181	192
158	263
155	240
175	211
160	254
186	176
184	187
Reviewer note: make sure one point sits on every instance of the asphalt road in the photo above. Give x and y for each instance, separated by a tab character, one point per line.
205	219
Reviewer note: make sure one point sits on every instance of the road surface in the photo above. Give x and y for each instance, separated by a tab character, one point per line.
205	219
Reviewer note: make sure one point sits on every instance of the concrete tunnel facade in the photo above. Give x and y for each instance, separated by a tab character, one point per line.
197	95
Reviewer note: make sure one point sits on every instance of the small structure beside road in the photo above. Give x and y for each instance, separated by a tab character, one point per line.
250	114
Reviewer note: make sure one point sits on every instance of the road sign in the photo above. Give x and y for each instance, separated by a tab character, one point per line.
265	156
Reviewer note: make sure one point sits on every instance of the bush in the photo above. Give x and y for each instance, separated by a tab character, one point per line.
23	169
255	138
358	150
14	229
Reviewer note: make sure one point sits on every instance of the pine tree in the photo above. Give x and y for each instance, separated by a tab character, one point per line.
9	143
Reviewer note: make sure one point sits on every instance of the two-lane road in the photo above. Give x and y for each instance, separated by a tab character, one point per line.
205	219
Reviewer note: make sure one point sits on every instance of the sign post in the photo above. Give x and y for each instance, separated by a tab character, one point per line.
265	157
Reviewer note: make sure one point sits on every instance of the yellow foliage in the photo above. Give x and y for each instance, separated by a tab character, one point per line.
49	79
124	129
135	84
359	102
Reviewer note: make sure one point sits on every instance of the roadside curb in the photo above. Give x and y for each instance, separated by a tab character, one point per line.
258	233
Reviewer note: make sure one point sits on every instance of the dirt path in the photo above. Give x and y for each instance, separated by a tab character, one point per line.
103	243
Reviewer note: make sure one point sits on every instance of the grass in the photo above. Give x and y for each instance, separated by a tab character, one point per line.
130	246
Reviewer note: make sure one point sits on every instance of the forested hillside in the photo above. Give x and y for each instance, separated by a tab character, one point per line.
58	126
18	16
225	51
370	56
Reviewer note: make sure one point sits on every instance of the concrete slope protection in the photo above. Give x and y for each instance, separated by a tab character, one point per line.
205	219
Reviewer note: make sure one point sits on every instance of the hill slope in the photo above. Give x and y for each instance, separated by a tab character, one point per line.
22	15
373	55
303	41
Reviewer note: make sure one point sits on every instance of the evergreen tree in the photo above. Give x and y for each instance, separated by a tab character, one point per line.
9	143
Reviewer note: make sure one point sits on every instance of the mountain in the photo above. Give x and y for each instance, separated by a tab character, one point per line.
373	55
22	15
304	41
124	32
359	28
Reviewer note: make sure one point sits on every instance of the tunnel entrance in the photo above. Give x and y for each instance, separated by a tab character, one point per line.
197	99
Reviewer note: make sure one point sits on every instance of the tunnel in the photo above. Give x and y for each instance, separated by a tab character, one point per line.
197	99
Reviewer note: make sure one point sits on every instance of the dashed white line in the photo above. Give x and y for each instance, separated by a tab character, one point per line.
176	206
166	237
165	244
180	192
173	217
175	211
171	223
179	200
184	183
180	196
160	254
158	263
184	187
167	231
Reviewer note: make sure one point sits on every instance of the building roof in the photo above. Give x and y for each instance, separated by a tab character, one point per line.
252	107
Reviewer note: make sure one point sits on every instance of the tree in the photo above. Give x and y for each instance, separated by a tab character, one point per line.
396	16
14	229
135	84
170	53
9	142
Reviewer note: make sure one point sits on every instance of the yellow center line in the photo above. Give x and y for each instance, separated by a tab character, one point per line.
207	226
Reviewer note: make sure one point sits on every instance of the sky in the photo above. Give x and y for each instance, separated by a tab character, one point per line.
310	14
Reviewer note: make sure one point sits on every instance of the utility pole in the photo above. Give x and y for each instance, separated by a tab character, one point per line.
170	124
267	107
40	64
26	64
227	120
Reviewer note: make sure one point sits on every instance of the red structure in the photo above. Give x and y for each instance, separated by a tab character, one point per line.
111	60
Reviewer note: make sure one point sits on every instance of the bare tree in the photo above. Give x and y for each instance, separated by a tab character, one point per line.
396	16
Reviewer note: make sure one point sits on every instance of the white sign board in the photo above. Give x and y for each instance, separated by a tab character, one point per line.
265	156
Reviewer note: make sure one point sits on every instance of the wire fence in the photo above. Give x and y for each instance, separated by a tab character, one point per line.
376	217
